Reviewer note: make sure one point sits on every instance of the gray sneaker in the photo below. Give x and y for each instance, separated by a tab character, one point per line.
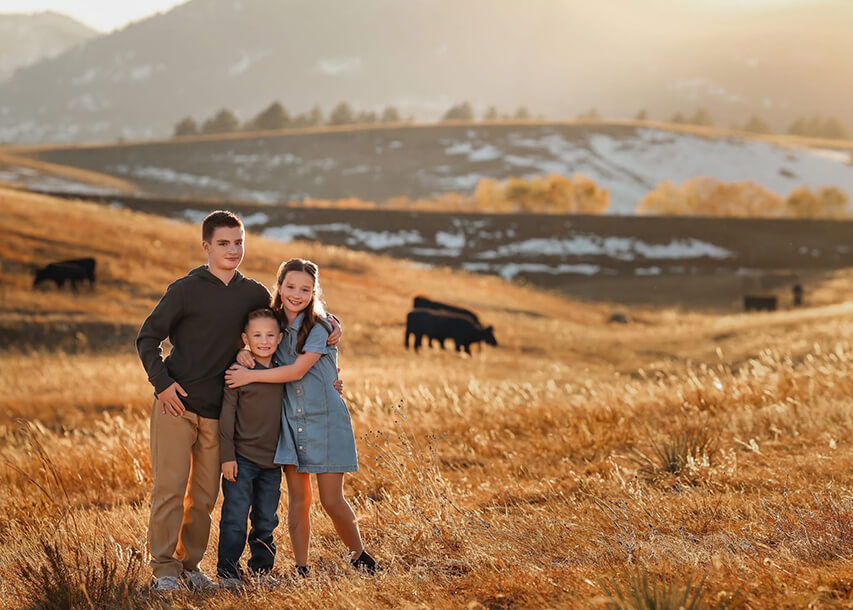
232	584
167	584
197	580
267	580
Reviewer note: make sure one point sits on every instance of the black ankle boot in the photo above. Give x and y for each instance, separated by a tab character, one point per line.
365	563
303	571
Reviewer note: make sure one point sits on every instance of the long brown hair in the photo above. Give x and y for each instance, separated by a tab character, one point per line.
315	311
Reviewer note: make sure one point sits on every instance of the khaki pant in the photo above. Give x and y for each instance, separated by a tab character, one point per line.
185	464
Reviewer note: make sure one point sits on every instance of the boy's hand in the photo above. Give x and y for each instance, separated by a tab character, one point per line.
229	470
237	376
335	337
244	357
169	401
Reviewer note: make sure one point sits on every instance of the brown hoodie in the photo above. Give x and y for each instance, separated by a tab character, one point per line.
203	319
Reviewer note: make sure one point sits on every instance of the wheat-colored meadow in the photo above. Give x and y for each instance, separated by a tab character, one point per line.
578	464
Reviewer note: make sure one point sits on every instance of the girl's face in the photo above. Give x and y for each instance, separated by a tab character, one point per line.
296	291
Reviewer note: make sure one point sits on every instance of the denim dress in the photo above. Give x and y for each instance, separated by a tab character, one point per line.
316	431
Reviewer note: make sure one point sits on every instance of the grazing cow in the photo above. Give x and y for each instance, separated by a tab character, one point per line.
74	270
441	325
425	303
756	303
798	295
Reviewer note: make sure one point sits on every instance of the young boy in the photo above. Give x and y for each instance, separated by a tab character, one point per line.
249	426
202	314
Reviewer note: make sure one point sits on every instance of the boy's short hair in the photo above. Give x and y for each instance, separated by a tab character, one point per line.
219	218
263	312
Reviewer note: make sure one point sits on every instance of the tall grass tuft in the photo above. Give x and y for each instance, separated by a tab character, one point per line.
74	579
641	590
675	455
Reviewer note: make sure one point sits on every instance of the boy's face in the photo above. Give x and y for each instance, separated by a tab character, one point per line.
225	250
262	335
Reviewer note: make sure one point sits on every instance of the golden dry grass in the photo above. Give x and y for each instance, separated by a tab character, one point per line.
525	476
66	171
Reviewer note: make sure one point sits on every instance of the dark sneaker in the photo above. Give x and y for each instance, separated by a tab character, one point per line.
365	563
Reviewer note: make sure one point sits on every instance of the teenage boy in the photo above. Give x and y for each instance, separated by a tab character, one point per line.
202	314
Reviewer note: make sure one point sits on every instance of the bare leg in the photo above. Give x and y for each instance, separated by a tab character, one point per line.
331	486
298	512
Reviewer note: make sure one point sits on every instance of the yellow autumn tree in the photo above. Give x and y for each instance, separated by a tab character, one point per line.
827	202
704	196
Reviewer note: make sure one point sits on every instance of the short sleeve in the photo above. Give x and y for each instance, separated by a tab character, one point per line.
316	340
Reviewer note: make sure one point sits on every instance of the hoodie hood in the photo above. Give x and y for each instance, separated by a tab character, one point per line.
204	273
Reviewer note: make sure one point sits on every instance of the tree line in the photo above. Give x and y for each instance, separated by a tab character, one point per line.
816	126
276	116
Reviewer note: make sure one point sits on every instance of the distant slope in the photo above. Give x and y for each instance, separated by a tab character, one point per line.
420	161
28	38
558	57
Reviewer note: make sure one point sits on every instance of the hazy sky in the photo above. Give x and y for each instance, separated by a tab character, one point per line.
106	15
103	15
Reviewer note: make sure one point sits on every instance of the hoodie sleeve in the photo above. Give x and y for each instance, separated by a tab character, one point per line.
227	421
157	327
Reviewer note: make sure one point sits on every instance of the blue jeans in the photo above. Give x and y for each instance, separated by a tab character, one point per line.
254	495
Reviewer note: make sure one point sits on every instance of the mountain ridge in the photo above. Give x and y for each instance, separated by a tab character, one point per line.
557	59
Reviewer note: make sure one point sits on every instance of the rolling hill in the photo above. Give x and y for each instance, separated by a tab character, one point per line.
627	158
564	468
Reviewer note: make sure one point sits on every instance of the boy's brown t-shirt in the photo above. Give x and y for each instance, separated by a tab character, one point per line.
250	421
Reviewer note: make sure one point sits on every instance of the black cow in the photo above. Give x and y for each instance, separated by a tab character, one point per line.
425	303
756	303
798	295
441	325
74	270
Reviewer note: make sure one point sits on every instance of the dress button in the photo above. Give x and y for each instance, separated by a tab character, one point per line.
299	429
299	410
300	447
299	391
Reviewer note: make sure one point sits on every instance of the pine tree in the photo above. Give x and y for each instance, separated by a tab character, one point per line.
366	117
186	127
798	127
275	116
491	114
757	125
223	122
315	117
834	128
390	115
342	114
642	115
522	113
702	117
459	112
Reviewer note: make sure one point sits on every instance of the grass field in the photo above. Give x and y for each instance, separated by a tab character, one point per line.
577	463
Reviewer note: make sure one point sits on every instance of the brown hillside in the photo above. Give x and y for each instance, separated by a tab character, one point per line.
571	463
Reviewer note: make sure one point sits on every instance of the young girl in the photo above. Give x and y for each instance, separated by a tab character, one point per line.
316	432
